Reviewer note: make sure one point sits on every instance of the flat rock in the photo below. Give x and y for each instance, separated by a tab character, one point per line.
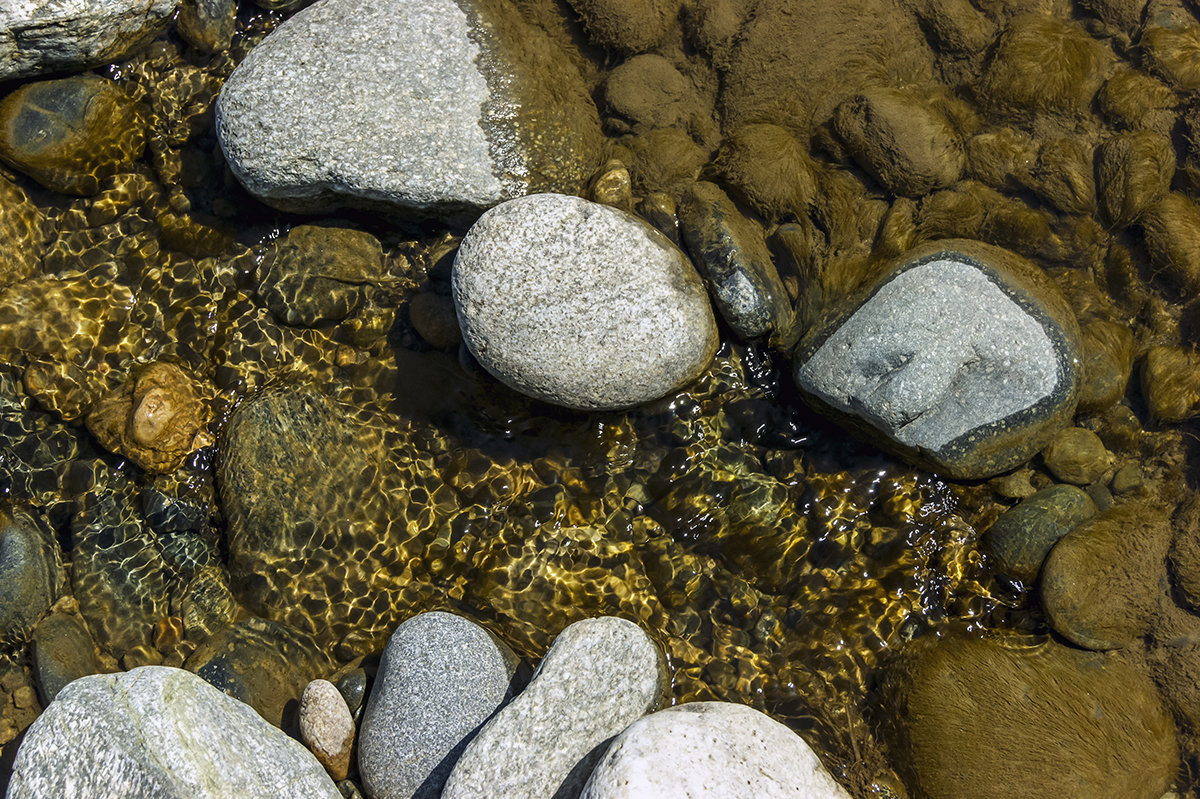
39	36
599	676
439	106
710	749
580	304
440	678
960	356
160	732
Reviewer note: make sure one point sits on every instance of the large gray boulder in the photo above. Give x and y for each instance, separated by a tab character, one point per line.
440	678
710	749
40	36
434	105
580	304
960	356
598	677
160	732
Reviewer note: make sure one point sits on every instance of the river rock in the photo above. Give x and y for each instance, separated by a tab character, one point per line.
1171	383
1103	583
31	570
320	274
1001	717
39	37
440	678
71	133
1022	536
436	106
1107	362
161	732
731	254
580	304
710	749
23	230
1077	455
327	727
207	25
599	676
63	651
1133	171
767	168
960	356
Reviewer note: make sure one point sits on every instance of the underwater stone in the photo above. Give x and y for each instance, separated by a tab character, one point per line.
730	252
39	37
1172	230
1077	455
1107	363
23	231
1133	172
710	749
1171	383
580	304
440	678
320	274
599	676
626	26
648	92
207	25
1023	535
63	651
767	168
31	570
439	106
160	732
959	355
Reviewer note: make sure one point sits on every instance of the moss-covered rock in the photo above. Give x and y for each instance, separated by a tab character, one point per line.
1023	535
766	167
665	160
1171	383
1172	230
1077	455
1134	172
1107	363
626	26
1171	50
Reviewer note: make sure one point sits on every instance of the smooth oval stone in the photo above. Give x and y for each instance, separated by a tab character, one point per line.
327	727
31	573
63	651
1077	455
731	254
599	676
580	304
437	105
440	678
160	732
959	356
1023	535
710	749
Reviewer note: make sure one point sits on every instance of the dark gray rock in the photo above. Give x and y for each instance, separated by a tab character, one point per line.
960	356
160	732
63	651
1023	535
441	677
437	106
599	676
732	255
580	304
31	573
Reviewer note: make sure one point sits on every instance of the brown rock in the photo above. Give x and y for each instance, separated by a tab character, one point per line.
1136	100
327	727
648	92
1171	383
1172	229
1077	455
1134	171
434	320
766	167
665	160
1107	363
1170	50
627	26
23	231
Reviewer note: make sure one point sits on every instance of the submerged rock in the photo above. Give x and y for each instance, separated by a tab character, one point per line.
439	106
1171	383
441	677
42	37
598	677
63	651
959	355
207	25
1022	536
1077	455
1107	363
160	732
31	569
767	168
581	305
1134	172
627	26
996	718
717	749
23	230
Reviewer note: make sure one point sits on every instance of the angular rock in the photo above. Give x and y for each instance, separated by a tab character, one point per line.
580	305
710	749
160	732
959	356
599	676
1022	536
40	37
31	569
1000	717
438	106
441	677
71	133
63	651
327	727
731	254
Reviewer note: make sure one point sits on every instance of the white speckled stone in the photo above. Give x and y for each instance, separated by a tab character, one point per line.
598	677
580	304
327	727
710	749
160	733
410	103
40	36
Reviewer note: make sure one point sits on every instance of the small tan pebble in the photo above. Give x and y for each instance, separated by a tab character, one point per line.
25	697
327	727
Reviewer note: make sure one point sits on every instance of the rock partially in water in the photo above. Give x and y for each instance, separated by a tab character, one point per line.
996	718
438	107
905	144
320	274
63	651
1077	455
71	133
598	677
581	305
1104	581
31	569
156	419
731	254
41	37
1022	536
1171	383
160	732
441	677
327	727
710	749
1134	172
959	355
1107	363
